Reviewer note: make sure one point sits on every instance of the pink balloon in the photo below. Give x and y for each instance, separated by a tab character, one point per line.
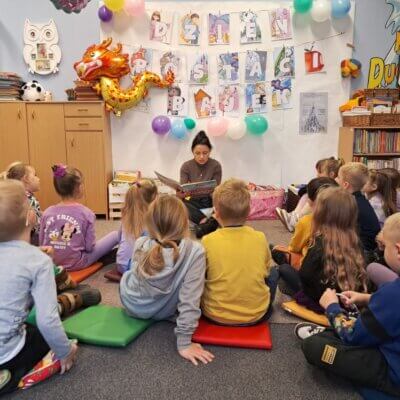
217	126
134	8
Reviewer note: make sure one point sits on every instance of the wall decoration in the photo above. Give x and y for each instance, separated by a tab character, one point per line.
313	59
170	61
41	51
178	129
313	113
281	94
284	62
236	129
256	98
256	124
105	14
161	125
70	6
204	102
228	100
250	31
255	65
134	8
144	105
321	10
189	29
161	26
141	60
340	8
198	70
280	24
350	67
228	68
302	6
217	126
218	29
177	104
114	5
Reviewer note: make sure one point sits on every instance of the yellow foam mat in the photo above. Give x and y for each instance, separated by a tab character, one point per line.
299	311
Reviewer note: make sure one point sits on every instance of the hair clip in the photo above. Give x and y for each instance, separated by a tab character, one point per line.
59	170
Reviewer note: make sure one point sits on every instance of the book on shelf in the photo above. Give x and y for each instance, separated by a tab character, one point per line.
372	163
376	141
190	189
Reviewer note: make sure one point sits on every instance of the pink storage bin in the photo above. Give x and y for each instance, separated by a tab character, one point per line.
264	200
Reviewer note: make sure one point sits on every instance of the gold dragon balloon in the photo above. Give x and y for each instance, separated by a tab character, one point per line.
105	67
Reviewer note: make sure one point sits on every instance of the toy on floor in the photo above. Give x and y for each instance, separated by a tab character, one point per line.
82	274
252	337
304	313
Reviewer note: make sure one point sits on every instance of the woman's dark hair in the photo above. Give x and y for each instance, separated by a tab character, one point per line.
66	179
316	185
202	139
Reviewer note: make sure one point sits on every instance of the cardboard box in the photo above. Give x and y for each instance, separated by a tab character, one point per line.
117	191
127	176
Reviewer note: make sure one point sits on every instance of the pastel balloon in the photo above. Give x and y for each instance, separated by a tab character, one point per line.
217	126
161	125
302	6
105	14
256	124
189	123
178	129
236	130
340	8
134	8
321	10
114	5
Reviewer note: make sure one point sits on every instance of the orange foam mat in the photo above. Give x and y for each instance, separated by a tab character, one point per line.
302	312
82	274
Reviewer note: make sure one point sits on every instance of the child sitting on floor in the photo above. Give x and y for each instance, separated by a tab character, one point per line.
240	285
378	191
167	275
27	175
69	225
365	350
26	273
394	175
335	258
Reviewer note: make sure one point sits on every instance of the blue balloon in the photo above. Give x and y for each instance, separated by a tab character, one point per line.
178	129
340	8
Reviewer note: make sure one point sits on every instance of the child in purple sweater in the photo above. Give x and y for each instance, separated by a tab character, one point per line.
69	226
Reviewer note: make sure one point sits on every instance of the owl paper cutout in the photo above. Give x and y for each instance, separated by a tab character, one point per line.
41	51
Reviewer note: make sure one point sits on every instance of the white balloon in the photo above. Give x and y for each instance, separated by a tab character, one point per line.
321	10
236	129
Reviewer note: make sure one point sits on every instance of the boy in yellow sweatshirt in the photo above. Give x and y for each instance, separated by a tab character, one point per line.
240	285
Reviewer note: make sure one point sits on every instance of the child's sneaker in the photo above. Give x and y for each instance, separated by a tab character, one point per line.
285	218
304	330
5	376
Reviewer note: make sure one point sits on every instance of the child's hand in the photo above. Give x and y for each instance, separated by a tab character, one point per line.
68	362
196	352
329	297
356	298
47	250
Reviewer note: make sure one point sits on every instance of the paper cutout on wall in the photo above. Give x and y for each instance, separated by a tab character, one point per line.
255	66
170	61
177	100
144	105
218	28
250	31
284	62
161	26
70	6
198	70
141	60
280	24
189	29
204	102
228	68
313	113
256	98
228	101
281	94
313	59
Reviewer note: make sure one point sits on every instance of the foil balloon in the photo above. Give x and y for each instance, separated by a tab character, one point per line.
70	6
104	67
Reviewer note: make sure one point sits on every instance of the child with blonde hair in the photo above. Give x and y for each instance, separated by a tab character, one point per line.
69	225
26	273
167	275
240	283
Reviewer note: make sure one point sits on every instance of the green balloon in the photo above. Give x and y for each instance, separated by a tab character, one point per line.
302	6
189	123
256	124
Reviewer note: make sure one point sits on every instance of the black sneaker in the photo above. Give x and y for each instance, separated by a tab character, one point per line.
209	226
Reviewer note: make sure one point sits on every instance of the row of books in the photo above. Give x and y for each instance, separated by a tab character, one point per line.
379	164
377	141
10	84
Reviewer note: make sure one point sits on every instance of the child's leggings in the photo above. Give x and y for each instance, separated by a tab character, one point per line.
380	274
102	247
364	366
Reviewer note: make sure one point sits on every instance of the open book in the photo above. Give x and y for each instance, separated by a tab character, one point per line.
190	189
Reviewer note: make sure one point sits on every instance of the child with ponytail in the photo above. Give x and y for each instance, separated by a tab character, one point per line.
167	275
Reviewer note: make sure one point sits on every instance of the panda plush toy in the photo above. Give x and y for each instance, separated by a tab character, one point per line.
32	91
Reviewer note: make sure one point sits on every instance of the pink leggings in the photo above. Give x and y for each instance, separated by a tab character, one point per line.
380	274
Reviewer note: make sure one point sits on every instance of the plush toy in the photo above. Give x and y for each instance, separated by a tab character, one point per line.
32	91
350	67
357	100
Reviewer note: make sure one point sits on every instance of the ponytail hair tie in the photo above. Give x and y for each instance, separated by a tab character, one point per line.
159	242
59	170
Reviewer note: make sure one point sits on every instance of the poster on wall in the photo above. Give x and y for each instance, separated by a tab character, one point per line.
281	94
228	68
313	59
228	100
189	29
280	24
161	26
144	105
250	31
255	65
170	61
198	69
284	62
218	28
313	113
141	61
177	104
256	98
204	102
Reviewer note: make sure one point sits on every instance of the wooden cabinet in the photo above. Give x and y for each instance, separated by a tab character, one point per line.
72	133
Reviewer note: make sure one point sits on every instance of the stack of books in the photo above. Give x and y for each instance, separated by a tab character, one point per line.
379	164
85	92
10	84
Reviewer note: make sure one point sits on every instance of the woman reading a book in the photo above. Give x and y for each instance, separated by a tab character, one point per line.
201	168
